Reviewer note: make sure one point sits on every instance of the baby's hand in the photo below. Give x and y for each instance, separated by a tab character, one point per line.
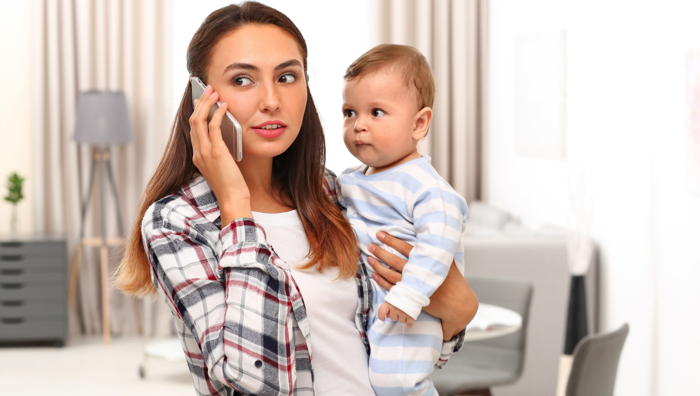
387	310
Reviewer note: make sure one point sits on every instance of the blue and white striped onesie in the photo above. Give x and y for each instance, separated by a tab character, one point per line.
413	203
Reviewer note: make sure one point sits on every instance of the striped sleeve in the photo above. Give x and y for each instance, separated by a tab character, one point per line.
438	216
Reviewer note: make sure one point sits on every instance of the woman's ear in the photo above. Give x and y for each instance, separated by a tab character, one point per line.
422	123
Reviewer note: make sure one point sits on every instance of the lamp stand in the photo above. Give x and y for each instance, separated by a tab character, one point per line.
101	156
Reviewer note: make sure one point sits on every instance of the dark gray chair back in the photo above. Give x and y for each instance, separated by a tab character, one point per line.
595	361
497	361
508	352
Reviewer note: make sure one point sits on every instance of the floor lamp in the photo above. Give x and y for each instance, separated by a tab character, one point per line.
102	120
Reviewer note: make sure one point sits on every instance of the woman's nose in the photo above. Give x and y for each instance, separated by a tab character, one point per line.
270	100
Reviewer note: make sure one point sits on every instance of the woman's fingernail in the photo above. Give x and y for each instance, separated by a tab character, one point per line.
375	277
212	94
371	248
381	235
208	89
370	260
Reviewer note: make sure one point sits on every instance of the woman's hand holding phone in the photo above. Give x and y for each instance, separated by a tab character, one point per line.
214	161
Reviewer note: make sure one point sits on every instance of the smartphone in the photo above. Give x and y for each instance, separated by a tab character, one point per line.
231	130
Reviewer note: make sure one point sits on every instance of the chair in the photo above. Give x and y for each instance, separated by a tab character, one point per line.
595	362
499	361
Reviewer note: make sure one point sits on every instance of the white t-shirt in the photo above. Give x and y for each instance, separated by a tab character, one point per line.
339	359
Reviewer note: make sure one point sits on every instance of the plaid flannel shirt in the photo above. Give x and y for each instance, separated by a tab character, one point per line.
237	310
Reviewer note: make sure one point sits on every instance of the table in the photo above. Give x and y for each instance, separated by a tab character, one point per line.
492	321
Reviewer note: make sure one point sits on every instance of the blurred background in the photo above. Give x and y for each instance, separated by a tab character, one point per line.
565	121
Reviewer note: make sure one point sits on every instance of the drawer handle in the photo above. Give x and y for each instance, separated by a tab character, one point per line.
16	285
12	303
11	257
12	320
11	244
12	271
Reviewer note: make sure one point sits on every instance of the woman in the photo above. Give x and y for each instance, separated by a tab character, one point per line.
237	305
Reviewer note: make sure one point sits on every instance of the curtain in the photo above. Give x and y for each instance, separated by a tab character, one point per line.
81	45
453	37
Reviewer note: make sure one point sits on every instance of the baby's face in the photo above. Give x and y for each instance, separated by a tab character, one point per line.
380	118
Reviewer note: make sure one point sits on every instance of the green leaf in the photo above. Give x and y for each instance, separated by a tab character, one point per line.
14	188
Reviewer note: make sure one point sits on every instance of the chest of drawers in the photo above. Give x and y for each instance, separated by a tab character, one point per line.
33	289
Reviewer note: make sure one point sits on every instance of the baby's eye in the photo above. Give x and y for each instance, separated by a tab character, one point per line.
348	113
288	78
377	113
242	81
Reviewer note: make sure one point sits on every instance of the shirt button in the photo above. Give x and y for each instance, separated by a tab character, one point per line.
258	363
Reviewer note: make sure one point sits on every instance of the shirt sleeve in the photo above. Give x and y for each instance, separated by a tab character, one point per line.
450	347
238	305
330	185
438	214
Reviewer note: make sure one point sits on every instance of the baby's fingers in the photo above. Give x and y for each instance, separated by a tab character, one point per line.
394	315
382	311
409	322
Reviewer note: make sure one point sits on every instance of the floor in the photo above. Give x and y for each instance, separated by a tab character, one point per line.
86	366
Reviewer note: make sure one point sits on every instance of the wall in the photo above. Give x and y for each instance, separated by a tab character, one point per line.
625	125
329	55
336	33
15	109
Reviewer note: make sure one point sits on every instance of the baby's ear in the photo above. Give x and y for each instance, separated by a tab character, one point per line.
422	123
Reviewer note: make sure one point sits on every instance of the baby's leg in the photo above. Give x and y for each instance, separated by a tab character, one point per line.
401	358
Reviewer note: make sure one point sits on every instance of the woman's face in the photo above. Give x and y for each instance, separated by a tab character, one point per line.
258	70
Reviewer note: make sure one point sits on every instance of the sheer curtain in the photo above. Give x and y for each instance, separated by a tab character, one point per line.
453	37
80	45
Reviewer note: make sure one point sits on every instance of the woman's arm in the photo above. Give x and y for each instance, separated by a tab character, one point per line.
454	301
230	314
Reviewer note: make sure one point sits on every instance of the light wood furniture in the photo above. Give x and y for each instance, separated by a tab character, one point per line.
101	159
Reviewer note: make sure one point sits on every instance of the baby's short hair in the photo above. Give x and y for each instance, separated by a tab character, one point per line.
405	60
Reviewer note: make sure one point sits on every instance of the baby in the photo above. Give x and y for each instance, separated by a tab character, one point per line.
387	100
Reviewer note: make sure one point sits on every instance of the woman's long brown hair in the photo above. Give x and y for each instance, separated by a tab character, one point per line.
299	170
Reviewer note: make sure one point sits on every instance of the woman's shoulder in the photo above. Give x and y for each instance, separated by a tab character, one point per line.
192	203
330	184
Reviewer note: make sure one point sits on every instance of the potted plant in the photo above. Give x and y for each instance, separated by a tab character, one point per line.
14	195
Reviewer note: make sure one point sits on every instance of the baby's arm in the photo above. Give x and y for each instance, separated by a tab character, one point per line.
387	310
438	212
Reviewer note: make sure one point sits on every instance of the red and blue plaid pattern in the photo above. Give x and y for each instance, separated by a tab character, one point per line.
238	312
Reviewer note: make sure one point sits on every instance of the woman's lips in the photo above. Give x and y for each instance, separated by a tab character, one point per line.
270	129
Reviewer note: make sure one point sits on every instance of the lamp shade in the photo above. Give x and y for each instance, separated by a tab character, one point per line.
102	119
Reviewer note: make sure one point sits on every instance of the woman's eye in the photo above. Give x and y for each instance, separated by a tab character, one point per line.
242	81
349	113
288	78
377	113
